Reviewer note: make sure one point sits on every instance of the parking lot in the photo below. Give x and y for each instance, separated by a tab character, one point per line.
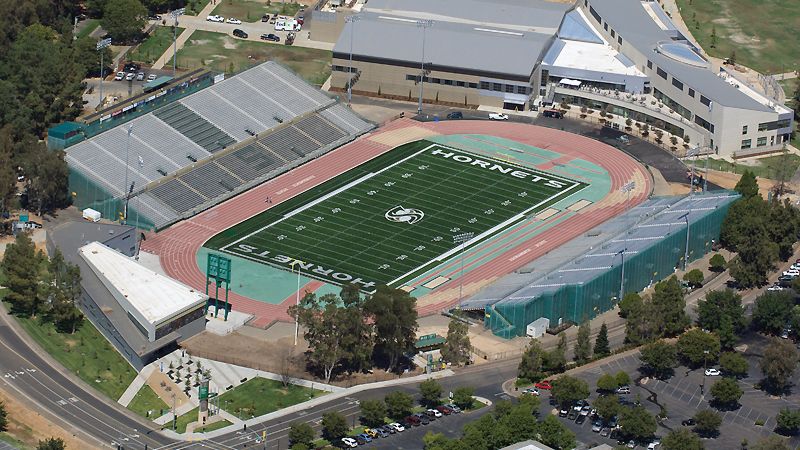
450	426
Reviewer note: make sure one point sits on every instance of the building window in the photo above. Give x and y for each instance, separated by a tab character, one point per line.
605	25
448	82
744	129
761	142
497	87
677	83
473	85
435	80
619	40
460	84
522	89
595	15
691	92
411	78
485	85
510	88
613	34
746	144
649	64
661	73
703	123
705	101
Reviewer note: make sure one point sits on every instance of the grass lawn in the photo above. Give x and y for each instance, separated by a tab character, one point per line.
154	46
88	27
86	353
7	438
260	396
190	417
145	401
769	167
758	30
250	11
193	7
218	51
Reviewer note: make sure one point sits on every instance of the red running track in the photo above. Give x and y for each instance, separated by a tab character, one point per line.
178	245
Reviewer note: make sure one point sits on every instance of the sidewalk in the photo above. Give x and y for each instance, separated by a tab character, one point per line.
182	38
135	386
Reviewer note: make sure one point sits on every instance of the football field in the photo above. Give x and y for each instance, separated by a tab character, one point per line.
394	217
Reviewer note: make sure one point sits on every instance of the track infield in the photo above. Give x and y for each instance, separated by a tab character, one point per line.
394	217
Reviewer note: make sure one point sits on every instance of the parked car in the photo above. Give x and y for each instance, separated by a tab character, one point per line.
140	76
572	415
712	372
597	425
498	116
239	33
130	76
423	418
553	113
233	21
365	437
605	431
349	442
31	225
544	384
396	427
455	115
361	440
531	391
631	444
120	76
585	411
563	412
580	419
624	390
151	77
132	67
412	421
270	37
373	433
433	414
444	409
381	432
265	18
215	18
579	405
688	422
155	17
453	407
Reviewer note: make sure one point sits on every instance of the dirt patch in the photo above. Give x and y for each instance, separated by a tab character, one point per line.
230	44
199	41
728	180
29	427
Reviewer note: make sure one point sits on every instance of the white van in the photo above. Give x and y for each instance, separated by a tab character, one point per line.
280	25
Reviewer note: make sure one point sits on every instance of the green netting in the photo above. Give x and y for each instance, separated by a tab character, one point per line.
578	302
87	193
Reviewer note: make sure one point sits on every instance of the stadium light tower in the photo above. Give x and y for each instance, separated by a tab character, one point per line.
175	14
352	21
424	24
462	239
686	251
622	275
127	168
101	45
297	300
689	153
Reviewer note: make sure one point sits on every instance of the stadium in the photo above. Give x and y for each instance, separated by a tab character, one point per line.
303	195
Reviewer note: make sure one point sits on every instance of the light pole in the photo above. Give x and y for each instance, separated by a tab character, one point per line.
297	301
686	251
101	45
424	24
352	21
462	238
175	14
127	168
621	253
703	387
692	152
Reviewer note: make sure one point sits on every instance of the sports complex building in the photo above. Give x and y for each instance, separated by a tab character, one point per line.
625	57
303	195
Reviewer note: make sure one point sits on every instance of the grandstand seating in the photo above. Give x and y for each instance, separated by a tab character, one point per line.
177	195
199	130
290	139
347	120
250	162
211	180
319	129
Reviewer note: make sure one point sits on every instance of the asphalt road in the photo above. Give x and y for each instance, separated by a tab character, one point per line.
40	384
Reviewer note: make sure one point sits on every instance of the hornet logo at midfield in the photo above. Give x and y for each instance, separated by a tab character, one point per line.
407	215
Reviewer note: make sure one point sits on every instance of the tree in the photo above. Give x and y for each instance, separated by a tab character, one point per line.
778	365
783	224
373	412
583	346
607	383
334	426
622	378
323	321
398	404
124	19
788	421
462	397
755	257
601	347
431	392
717	263
8	179
733	364
47	185
3	417
301	433
681	439
394	313
21	270
772	311
456	349
771	443
607	406
707	422
668	305
720	304
553	433
357	334
567	390
630	302
694	278
637	423
51	444
659	358
747	185
698	347
530	367
726	392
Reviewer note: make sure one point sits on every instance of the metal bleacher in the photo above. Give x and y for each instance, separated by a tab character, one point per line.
199	130
213	144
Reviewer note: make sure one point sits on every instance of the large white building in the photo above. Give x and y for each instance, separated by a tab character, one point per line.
623	56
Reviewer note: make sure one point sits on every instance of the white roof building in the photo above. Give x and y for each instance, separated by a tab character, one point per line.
152	301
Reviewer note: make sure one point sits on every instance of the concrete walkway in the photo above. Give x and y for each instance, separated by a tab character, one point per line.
179	411
184	36
135	386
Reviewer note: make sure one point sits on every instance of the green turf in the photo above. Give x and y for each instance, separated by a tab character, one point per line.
154	46
250	11
260	396
772	167
9	439
218	51
145	401
191	416
759	31
346	236
193	7
88	27
86	353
